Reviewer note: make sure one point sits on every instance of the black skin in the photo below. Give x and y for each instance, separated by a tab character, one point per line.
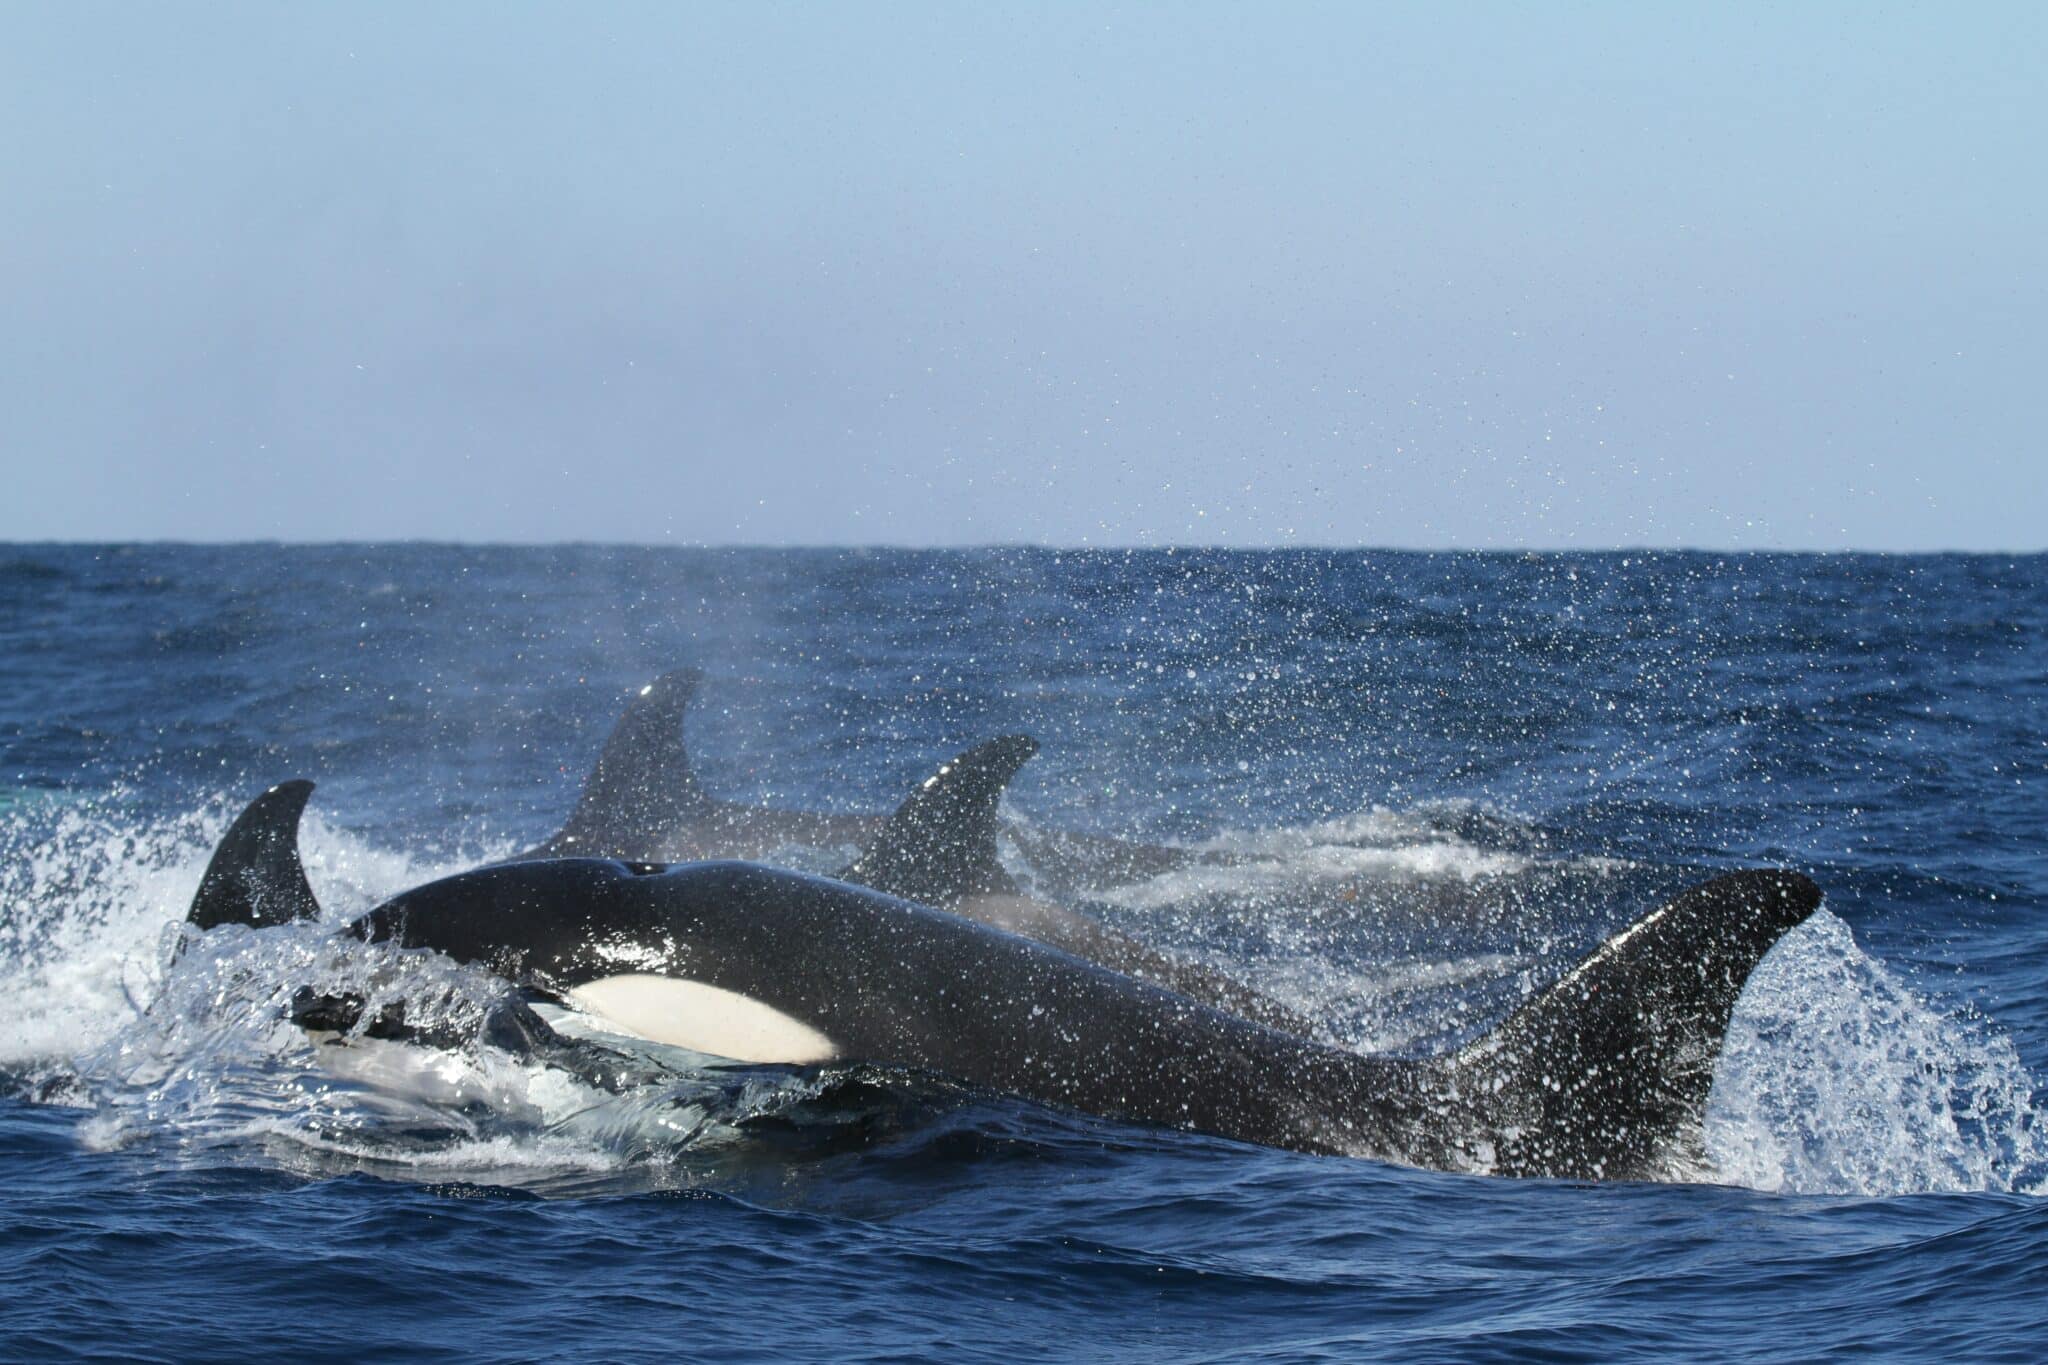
1628	1038
891	981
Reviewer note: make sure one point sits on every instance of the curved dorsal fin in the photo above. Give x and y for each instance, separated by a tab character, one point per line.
255	877
642	786
1610	1067
940	845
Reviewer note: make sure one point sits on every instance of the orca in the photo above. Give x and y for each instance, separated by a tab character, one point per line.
1601	1076
643	803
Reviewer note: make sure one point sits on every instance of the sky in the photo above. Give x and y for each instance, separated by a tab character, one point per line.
1474	275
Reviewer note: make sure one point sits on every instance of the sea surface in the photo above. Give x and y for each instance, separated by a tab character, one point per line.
1441	779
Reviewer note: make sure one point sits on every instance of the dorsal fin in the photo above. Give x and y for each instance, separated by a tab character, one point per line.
940	845
641	787
1607	1072
255	877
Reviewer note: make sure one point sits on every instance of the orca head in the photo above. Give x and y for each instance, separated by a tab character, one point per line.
642	947
536	922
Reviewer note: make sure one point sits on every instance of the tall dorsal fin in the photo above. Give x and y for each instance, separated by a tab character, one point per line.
255	877
1604	1073
642	786
940	845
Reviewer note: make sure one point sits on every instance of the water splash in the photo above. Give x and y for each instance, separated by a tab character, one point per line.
1838	1078
88	892
1425	843
214	1069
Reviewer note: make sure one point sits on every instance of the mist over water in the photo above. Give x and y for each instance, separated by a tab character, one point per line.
1432	783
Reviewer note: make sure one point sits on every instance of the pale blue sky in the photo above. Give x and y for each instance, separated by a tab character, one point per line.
1481	275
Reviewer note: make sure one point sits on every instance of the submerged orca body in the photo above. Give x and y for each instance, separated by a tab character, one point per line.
1602	1076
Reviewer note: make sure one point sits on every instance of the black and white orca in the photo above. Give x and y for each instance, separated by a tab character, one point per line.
1602	1076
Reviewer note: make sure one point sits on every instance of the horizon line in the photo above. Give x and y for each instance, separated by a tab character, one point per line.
1044	547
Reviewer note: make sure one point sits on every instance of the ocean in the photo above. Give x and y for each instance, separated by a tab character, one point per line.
1438	779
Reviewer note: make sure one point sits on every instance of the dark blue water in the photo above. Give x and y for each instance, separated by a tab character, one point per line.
1443	777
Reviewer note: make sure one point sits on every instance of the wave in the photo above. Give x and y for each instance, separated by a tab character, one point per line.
1431	841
